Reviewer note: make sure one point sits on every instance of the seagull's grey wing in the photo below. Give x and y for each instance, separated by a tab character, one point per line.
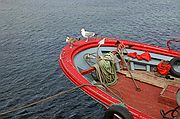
89	33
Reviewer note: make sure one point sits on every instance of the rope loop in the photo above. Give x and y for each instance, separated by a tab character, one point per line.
167	44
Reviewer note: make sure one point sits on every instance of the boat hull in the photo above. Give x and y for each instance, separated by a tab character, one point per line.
69	66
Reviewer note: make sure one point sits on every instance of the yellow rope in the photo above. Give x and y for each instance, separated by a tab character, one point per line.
120	52
44	100
56	95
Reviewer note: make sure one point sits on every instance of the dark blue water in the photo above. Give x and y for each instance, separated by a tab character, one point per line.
33	32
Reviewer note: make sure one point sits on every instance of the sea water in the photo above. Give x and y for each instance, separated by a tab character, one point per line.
33	32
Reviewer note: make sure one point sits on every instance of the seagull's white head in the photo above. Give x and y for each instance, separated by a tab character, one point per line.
82	30
67	39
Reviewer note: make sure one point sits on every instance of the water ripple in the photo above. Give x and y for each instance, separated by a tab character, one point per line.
32	34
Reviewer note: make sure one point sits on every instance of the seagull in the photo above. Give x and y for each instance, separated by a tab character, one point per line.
71	40
87	34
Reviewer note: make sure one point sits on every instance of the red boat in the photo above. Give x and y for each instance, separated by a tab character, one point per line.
130	79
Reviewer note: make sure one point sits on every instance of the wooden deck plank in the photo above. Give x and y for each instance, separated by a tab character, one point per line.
148	77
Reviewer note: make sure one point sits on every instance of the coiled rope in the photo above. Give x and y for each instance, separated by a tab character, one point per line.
105	71
105	67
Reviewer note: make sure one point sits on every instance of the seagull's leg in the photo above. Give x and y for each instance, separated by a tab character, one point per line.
87	39
71	45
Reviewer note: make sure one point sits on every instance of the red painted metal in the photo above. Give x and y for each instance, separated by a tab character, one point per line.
67	64
87	71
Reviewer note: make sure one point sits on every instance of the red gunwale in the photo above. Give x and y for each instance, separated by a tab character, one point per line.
66	62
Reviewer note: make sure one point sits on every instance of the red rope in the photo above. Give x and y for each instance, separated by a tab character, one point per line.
170	41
